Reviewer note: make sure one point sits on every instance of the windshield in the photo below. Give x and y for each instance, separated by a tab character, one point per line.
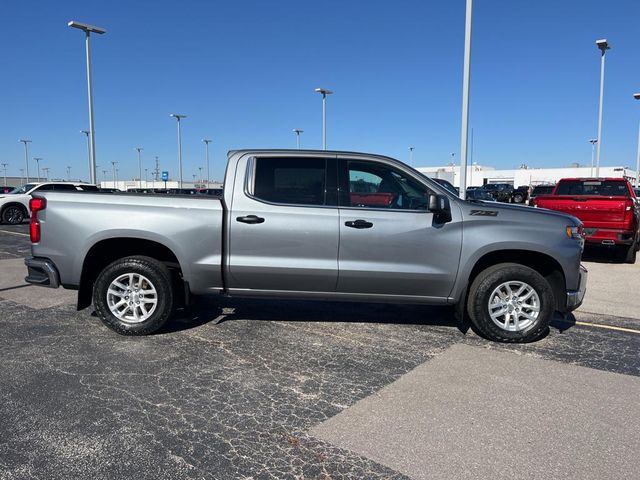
23	188
605	188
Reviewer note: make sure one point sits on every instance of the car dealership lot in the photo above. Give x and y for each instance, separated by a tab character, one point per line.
273	389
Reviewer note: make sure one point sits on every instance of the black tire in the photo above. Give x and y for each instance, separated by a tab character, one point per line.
487	281
629	253
518	198
159	277
13	214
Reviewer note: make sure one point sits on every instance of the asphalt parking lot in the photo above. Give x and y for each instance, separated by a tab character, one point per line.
273	389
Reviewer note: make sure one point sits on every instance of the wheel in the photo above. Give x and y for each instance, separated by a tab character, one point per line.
133	295
511	303
518	198
13	215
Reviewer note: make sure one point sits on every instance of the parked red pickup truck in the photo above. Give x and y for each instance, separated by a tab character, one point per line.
606	206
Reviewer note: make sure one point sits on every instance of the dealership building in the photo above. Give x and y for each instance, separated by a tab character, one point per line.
478	175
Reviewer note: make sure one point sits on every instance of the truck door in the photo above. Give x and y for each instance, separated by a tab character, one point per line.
283	226
390	244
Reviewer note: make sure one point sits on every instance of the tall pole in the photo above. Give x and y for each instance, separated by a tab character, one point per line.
146	182
324	93
297	131
88	135
104	176
157	172
593	142
464	134
22	176
4	166
68	173
179	117
26	156
46	173
200	171
637	97
139	149
411	156
603	46
206	150
37	159
113	164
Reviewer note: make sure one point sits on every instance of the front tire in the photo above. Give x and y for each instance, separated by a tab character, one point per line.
511	303
133	295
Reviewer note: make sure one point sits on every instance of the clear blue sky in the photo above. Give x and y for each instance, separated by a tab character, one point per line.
244	73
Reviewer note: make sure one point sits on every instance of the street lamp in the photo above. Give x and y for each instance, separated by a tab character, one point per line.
206	149
637	97
603	46
139	149
297	131
4	167
37	159
88	30
146	182
22	175
26	156
411	156
324	93
115	177
179	117
593	142
464	131
87	132
68	173
200	170
46	173
104	176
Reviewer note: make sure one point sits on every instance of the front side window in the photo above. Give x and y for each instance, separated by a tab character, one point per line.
23	188
374	185
293	181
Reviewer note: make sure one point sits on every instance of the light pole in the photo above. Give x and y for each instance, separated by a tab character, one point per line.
593	142
637	97
464	133
297	131
146	181
104	176
115	179
87	133
4	167
200	170
411	156
157	171
139	149
206	150
88	30
22	176
603	46
68	173
46	173
194	180
26	156
324	93
37	159
179	117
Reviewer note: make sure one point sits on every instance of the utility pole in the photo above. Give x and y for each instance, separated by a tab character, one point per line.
179	117
139	149
466	80
206	149
603	46
26	156
297	131
324	93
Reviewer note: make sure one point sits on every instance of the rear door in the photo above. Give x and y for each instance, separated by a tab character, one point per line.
283	224
390	244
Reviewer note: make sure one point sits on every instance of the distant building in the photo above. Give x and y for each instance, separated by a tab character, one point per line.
478	175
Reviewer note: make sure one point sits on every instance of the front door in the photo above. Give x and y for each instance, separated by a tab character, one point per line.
390	244
284	224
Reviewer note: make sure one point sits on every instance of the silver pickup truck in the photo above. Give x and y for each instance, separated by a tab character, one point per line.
313	225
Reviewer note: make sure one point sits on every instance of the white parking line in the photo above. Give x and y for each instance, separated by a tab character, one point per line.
15	233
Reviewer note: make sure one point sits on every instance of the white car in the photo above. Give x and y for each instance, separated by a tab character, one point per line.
14	206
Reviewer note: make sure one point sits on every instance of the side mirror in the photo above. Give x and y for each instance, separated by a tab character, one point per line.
439	206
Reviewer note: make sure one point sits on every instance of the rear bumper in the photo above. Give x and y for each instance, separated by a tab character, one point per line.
575	297
609	236
42	271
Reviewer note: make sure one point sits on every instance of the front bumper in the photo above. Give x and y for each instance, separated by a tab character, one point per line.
575	297
42	271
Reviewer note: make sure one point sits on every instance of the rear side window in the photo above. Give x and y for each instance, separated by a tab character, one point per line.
605	188
296	181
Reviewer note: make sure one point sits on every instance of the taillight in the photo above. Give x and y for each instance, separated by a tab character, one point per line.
35	205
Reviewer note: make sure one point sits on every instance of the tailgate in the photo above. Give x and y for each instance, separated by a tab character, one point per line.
593	211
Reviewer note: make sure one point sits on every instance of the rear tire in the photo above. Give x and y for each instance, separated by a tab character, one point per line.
13	215
629	253
518	198
519	298
134	295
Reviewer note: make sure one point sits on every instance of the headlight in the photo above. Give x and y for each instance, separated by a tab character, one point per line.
575	232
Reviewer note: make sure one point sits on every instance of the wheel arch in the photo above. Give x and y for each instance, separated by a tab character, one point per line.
544	264
108	250
20	205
